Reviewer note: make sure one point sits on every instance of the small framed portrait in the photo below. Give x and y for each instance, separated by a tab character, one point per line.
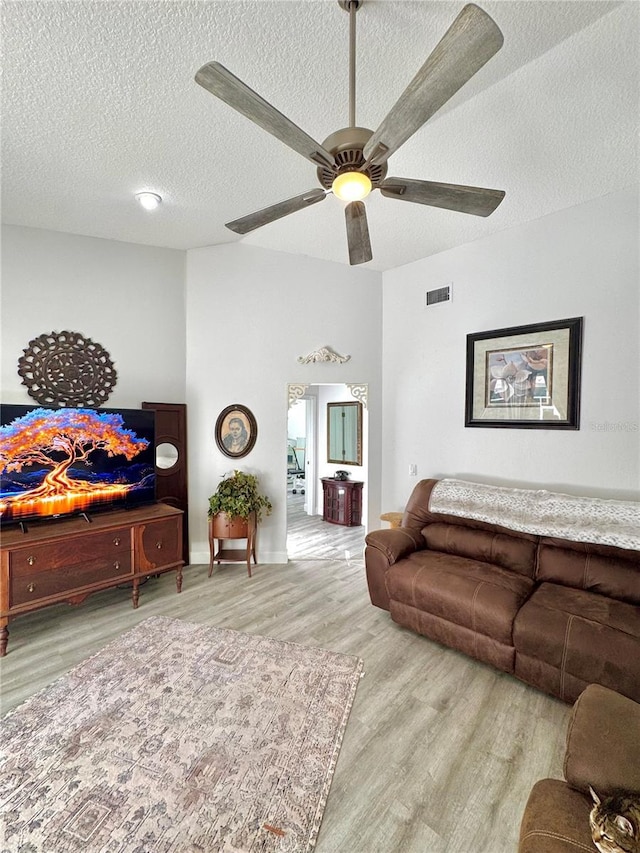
236	431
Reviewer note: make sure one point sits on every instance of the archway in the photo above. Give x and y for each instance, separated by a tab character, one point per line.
308	535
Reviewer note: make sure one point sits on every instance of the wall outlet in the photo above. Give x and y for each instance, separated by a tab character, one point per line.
413	470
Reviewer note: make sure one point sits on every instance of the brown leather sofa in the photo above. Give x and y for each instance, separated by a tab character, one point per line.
602	751
555	613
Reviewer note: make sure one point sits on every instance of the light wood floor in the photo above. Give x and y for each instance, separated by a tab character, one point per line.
309	537
440	751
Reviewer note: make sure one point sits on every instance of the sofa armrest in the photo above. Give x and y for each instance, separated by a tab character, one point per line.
384	548
555	820
396	543
603	742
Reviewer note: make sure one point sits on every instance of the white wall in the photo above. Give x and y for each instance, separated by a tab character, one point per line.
297	422
127	298
578	262
250	314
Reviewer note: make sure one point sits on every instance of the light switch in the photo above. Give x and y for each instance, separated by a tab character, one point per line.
413	470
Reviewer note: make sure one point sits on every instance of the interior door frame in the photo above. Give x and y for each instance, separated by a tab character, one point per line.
311	453
299	391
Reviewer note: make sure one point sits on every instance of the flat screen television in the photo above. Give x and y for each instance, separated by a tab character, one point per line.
64	461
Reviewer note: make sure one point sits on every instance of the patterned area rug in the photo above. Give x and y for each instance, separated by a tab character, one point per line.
178	738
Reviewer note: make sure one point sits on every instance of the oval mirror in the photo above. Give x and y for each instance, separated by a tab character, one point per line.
166	455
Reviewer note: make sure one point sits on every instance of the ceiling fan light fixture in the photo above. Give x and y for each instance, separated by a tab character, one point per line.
352	186
148	200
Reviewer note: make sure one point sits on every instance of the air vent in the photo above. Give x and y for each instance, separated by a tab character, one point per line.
442	294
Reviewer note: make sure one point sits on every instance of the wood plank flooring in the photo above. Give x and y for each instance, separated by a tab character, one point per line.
440	751
309	537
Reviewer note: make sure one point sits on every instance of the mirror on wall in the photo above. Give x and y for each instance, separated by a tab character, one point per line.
166	455
344	433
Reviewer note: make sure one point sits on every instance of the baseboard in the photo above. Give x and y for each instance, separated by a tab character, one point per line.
274	557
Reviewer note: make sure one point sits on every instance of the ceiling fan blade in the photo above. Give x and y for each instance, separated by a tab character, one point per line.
276	211
475	200
215	78
470	41
358	233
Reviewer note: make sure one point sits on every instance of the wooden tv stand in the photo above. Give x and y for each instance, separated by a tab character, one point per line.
68	559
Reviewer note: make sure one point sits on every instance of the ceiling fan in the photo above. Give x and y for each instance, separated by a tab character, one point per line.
353	161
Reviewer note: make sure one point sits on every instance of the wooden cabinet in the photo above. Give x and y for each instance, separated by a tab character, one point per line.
342	501
68	559
157	544
171	472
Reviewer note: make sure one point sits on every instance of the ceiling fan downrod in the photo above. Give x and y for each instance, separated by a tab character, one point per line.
351	6
350	174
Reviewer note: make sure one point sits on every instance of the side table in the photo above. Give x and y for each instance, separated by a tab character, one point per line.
223	527
394	518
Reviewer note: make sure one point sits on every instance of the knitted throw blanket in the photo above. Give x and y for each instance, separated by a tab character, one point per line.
605	522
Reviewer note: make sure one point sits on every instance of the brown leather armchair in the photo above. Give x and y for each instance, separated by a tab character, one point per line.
603	751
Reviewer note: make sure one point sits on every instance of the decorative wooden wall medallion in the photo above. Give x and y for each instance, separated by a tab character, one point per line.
67	369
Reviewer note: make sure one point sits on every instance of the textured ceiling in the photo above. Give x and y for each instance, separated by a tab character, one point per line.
99	102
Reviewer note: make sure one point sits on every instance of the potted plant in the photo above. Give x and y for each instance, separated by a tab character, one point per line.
236	505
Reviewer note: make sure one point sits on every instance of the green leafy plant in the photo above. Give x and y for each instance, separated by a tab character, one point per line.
238	495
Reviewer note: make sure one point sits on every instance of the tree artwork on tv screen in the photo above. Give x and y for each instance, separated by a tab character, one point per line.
61	461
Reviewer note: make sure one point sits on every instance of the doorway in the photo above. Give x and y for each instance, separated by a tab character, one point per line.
308	535
301	452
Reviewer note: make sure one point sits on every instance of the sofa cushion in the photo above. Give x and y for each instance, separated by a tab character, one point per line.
549	678
581	634
480	646
608	571
508	552
476	595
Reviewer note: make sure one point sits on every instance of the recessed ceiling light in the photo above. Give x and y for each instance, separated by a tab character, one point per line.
149	200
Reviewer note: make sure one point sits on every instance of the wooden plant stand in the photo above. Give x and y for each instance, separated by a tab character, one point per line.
222	527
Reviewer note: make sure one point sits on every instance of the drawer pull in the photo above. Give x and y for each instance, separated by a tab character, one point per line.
159	546
116	565
31	587
31	560
116	541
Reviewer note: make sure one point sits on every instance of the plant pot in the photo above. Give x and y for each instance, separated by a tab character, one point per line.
225	526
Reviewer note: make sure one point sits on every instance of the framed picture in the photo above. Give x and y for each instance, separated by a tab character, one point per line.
236	431
525	377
